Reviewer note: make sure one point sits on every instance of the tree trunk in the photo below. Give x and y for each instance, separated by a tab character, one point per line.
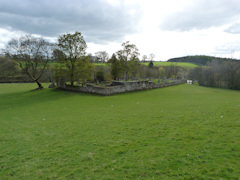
39	84
72	78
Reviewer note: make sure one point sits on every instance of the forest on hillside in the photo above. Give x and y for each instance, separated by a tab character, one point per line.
201	60
216	74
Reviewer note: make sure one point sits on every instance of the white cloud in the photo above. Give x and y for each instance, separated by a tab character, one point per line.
6	34
234	28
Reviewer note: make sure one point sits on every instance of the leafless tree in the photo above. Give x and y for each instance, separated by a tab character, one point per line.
151	56
31	53
144	58
102	56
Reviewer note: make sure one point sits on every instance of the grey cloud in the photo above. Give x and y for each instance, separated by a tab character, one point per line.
98	20
234	29
202	15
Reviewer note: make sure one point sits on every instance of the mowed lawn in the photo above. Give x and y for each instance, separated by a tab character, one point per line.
178	132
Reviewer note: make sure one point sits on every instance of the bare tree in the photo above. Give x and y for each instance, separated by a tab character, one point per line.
32	54
144	58
151	56
92	58
102	56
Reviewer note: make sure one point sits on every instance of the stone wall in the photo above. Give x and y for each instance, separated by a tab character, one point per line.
118	87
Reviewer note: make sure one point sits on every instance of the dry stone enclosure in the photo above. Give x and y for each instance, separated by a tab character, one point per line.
118	87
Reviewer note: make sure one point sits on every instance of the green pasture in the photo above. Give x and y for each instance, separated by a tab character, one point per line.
100	64
158	63
181	64
178	132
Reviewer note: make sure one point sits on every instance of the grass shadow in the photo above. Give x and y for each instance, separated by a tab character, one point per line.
30	97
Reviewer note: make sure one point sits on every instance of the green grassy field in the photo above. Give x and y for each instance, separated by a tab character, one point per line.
182	64
100	64
178	132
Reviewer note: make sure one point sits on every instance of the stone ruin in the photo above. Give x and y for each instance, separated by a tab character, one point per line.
117	87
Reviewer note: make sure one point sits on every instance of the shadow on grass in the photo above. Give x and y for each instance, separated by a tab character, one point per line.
33	97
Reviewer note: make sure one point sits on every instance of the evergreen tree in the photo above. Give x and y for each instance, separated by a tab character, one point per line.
116	67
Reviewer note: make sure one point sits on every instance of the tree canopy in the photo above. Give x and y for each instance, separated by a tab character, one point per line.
116	68
71	53
127	54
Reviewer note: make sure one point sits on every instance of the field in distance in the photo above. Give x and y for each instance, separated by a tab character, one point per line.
181	64
178	132
157	63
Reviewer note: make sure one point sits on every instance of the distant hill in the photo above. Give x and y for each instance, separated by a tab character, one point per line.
200	60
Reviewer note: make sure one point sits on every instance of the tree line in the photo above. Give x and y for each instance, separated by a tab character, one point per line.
29	56
216	74
200	59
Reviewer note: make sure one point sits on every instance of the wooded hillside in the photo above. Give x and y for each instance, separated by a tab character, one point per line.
201	60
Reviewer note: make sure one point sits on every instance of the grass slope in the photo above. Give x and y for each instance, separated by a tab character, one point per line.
178	132
181	64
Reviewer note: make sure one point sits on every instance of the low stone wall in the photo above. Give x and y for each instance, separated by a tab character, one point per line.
118	87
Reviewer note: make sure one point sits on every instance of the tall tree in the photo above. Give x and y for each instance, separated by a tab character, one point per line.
71	48
129	52
144	58
116	68
85	69
32	54
134	65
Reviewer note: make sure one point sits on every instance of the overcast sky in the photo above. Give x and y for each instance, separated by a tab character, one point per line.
166	28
